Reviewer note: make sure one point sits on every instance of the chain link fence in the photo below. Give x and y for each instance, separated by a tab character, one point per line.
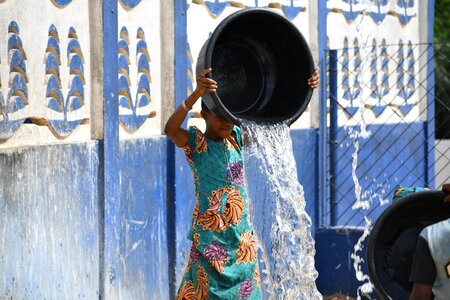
388	125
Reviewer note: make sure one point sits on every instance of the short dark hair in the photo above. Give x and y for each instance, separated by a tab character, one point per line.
204	107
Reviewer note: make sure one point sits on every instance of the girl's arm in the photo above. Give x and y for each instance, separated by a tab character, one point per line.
173	128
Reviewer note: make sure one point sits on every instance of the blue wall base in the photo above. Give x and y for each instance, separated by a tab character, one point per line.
334	263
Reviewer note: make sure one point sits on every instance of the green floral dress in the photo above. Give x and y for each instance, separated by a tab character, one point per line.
223	258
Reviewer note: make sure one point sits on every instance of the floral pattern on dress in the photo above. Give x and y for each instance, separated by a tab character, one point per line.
187	291
200	141
235	173
246	288
231	142
196	243
195	255
190	262
219	221
189	154
212	221
217	255
257	277
202	284
195	212
246	251
234	207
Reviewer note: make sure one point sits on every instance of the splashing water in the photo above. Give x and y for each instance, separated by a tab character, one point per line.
363	200
367	287
278	213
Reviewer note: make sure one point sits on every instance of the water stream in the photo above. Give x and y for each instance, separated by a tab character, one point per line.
363	200
278	211
356	134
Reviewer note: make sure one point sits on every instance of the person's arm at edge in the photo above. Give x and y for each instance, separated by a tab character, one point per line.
446	188
423	271
421	291
173	130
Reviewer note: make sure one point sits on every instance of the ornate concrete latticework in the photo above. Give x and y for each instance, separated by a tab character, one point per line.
379	69
63	123
129	4
130	108
61	3
14	103
378	10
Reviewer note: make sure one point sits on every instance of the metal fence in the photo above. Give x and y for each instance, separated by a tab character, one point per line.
387	112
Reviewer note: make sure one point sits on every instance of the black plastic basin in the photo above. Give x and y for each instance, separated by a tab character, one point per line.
393	239
261	63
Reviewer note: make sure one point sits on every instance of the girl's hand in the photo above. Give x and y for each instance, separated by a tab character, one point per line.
313	81
205	85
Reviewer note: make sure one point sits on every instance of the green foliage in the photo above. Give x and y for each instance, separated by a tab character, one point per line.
442	21
442	65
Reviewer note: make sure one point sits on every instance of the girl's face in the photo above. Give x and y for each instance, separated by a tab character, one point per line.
216	127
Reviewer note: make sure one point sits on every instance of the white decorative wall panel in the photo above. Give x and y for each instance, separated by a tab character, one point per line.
139	68
44	72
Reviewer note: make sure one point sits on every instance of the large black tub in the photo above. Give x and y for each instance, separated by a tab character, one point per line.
393	239
261	63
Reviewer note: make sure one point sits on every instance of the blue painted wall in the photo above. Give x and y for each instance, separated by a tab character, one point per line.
183	197
393	154
334	263
304	143
143	215
396	151
49	222
185	203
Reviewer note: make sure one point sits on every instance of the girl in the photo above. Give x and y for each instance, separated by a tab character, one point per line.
223	260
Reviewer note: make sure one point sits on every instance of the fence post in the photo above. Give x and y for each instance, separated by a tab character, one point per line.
323	204
109	201
430	123
333	131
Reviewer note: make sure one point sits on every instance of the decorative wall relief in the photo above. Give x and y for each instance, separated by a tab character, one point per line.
133	112
405	76
353	9
391	73
292	9
351	76
379	12
61	3
64	120
379	69
13	104
405	10
215	7
129	4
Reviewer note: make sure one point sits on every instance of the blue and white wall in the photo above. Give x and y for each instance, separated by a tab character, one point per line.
83	187
94	200
391	96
